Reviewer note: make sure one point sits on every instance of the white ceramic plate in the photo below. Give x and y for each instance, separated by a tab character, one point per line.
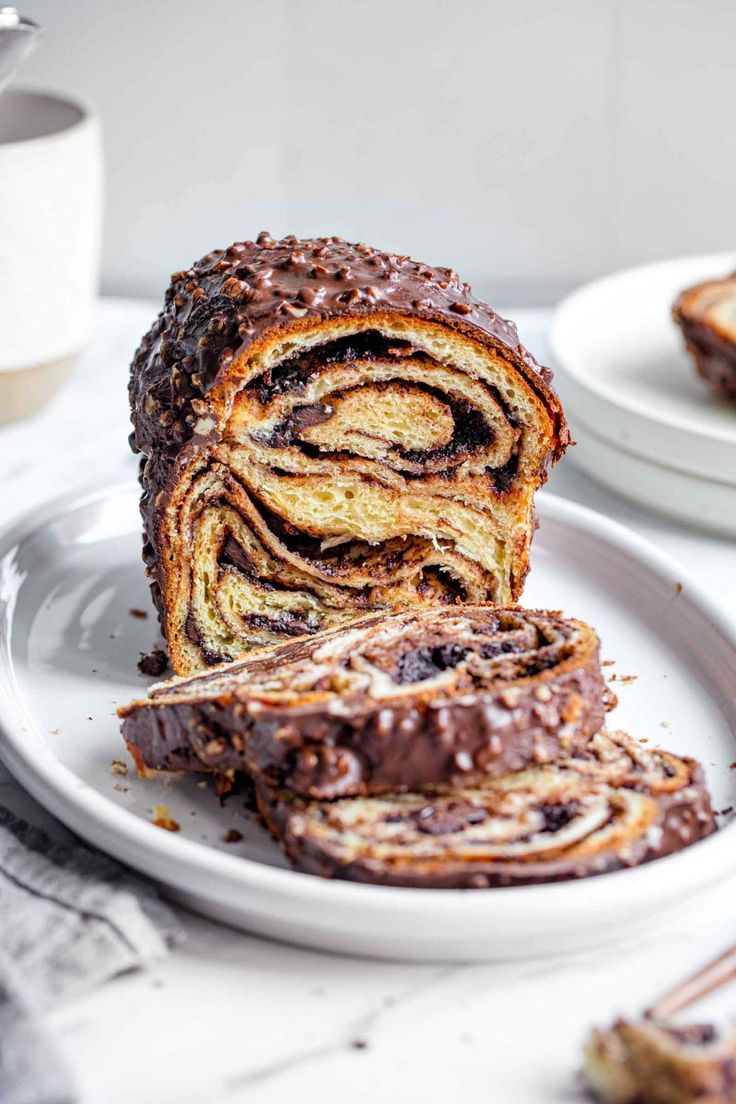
68	651
631	390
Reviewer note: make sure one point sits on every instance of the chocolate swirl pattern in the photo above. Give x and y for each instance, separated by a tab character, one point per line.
390	702
617	807
706	314
325	430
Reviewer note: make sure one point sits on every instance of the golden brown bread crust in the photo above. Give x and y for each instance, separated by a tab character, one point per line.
706	314
617	805
389	703
273	372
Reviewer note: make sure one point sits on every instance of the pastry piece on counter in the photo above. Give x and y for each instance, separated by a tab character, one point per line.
324	430
617	806
652	1063
706	314
388	703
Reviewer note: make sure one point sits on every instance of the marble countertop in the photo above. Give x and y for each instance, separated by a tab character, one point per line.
230	1017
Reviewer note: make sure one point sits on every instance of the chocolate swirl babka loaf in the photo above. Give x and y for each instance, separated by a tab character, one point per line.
325	430
706	314
390	702
616	806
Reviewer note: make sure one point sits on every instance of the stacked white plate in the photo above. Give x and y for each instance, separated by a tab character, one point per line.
645	423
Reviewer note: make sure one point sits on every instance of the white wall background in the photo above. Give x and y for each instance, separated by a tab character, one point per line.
529	143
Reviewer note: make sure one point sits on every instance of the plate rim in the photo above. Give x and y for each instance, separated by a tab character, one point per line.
87	811
570	370
598	457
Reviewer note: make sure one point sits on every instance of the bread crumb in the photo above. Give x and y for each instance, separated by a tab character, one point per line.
232	836
117	766
153	663
141	614
163	819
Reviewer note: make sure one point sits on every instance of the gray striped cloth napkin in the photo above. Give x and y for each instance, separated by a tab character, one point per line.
70	919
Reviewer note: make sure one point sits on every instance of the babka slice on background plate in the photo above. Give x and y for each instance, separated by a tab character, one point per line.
326	429
644	422
706	314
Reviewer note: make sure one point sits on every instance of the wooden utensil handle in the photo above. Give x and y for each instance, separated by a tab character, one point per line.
710	977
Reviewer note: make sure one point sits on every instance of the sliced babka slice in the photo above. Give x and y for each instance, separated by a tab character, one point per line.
632	1063
706	314
616	806
390	702
327	429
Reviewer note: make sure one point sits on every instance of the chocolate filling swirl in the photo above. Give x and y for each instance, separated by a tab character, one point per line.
615	807
389	702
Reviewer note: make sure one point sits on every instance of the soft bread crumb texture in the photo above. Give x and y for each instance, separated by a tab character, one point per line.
370	483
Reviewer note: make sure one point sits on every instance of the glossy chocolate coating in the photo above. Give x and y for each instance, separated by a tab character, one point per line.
683	817
327	745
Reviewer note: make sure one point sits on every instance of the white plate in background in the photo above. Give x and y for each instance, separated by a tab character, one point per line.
69	575
630	389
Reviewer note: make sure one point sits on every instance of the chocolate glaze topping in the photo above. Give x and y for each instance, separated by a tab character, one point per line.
381	840
542	695
220	307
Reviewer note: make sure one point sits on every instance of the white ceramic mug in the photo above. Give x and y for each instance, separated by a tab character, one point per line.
50	229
